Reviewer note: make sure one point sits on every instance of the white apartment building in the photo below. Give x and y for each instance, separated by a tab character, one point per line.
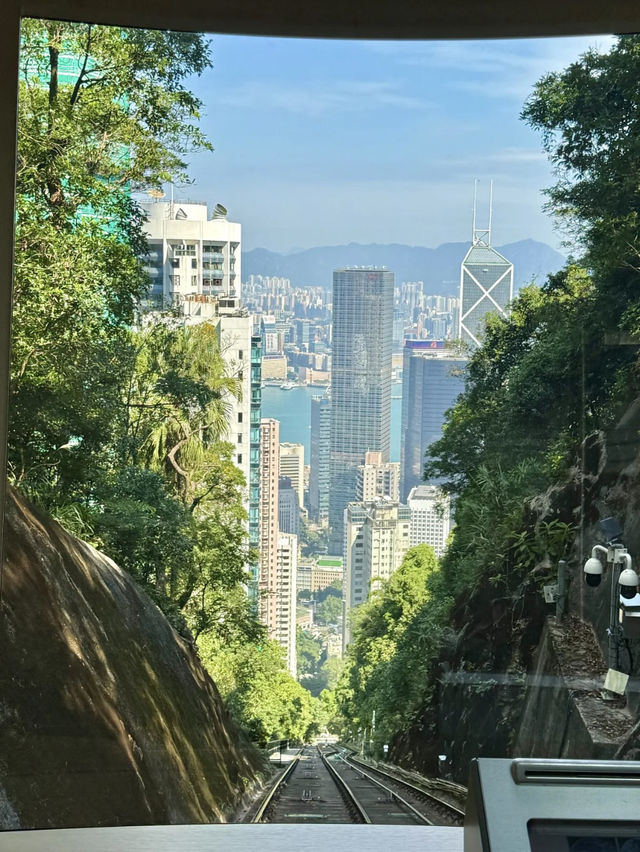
292	466
194	262
286	598
190	252
376	478
377	536
430	510
235	326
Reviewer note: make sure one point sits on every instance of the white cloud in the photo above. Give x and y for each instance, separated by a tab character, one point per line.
497	69
311	100
507	157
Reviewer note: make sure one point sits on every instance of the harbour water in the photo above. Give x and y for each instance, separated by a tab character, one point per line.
293	409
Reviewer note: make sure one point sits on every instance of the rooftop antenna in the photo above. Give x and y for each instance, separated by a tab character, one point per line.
481	236
475	198
490	212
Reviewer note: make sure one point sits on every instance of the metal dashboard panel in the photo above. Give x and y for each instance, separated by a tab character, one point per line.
237	838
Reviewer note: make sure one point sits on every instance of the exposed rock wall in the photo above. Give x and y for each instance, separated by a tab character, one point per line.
107	716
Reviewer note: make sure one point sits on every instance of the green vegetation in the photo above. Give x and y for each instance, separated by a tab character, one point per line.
393	643
313	540
259	691
309	651
119	430
553	373
317	671
329	610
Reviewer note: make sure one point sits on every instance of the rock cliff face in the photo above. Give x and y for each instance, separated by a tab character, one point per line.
515	682
107	716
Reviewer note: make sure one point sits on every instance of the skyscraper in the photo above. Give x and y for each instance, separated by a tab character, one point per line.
432	378
285	595
486	284
360	382
234	326
292	466
194	265
278	551
254	457
320	458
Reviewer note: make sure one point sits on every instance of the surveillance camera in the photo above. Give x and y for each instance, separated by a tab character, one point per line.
628	581
593	571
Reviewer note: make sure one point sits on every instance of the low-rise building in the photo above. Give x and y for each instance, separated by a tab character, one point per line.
274	367
326	572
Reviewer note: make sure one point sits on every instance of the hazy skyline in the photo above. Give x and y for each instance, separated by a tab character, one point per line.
328	142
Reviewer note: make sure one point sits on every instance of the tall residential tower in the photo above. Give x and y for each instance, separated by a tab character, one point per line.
320	459
278	551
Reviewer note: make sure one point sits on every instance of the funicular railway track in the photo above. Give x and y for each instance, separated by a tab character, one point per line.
308	793
331	788
441	809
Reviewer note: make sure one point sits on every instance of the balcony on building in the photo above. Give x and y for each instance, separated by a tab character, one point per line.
212	256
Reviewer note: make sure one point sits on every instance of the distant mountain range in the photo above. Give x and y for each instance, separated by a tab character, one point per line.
439	268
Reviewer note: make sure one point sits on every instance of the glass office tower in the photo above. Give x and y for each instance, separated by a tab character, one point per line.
360	382
432	378
486	286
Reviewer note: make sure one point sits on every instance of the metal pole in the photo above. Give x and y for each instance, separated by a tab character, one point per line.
561	603
490	210
475	196
613	618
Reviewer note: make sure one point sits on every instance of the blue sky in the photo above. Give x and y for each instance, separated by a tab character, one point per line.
329	142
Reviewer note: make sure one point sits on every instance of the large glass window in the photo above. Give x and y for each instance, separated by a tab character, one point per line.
429	552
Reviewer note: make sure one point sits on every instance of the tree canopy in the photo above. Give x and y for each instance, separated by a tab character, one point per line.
118	425
385	666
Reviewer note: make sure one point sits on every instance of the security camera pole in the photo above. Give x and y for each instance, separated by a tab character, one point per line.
623	577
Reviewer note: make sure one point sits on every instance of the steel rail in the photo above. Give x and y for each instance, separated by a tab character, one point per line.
459	813
279	782
395	795
344	788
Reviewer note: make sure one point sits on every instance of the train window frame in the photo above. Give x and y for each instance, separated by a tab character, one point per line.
375	19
